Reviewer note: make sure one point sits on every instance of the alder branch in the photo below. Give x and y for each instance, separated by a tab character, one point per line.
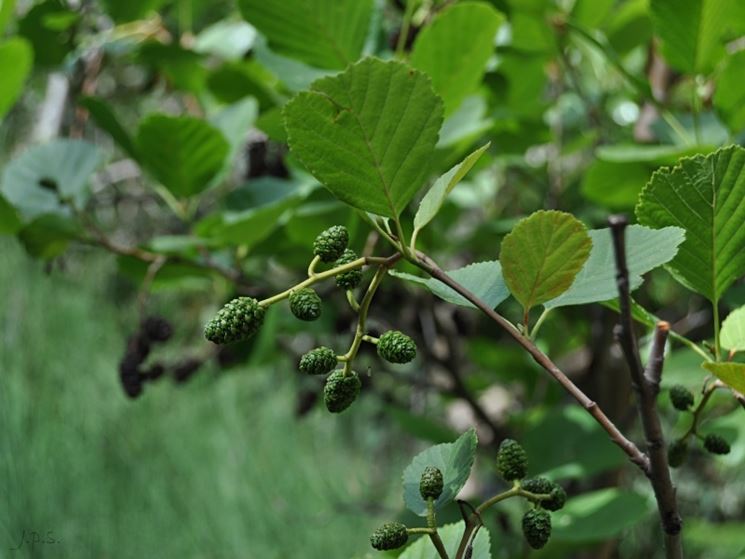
646	387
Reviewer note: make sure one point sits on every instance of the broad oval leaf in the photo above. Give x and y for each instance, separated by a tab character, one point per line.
322	33
367	134
450	534
454	49
705	195
732	374
483	279
732	335
454	460
183	153
35	181
542	255
16	59
435	197
646	249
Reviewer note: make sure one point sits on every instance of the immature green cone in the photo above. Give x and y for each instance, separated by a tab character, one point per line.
396	347
318	361
331	243
390	535
352	278
537	527
340	391
716	444
544	486
681	397
512	461
431	483
305	304
238	320
677	453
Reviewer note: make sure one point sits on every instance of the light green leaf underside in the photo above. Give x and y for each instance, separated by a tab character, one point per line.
542	255
732	374
436	195
706	197
483	279
367	134
732	335
454	49
691	31
450	534
646	250
183	153
454	460
34	181
16	59
322	33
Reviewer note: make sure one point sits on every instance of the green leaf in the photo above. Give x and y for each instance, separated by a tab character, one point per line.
732	374
706	197
369	146
435	197
599	515
9	221
131	9
7	8
16	59
229	40
615	186
646	249
732	335
454	460
35	181
692	32
105	118
48	235
729	98
450	534
183	153
51	44
483	279
542	256
322	33
454	49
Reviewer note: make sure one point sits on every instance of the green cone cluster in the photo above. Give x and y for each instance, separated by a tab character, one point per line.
352	278
396	347
331	243
318	361
238	320
716	444
390	535
544	486
677	453
537	527
681	397
512	461
431	483
305	304
340	390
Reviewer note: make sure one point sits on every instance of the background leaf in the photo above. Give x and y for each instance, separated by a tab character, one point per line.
183	153
706	197
454	461
105	118
454	49
131	9
732	335
646	249
542	256
370	148
729	98
483	279
16	59
9	222
435	197
450	534
6	12
732	374
322	33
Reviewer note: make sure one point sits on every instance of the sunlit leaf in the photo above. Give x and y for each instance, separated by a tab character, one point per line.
732	335
16	59
450	534
732	374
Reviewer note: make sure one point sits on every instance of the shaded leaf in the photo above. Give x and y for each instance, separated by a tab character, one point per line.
105	118
450	534
732	335
48	235
183	153
131	9
483	279
542	255
9	221
732	374
16	59
646	249
729	98
706	197
50	42
454	460
371	149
